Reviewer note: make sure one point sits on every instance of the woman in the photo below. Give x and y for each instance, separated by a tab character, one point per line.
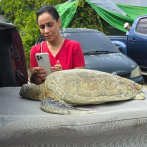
63	53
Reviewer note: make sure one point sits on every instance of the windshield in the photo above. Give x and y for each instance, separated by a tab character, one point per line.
92	41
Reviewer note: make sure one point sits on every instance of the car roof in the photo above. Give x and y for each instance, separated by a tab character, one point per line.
79	30
5	25
141	16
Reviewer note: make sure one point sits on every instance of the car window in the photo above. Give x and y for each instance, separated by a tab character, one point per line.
92	41
142	26
89	41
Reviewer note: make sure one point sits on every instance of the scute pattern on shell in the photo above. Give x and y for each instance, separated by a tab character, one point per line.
82	86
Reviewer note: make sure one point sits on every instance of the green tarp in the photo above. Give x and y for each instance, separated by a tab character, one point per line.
133	11
67	11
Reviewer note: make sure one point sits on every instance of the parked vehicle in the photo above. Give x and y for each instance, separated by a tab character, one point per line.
135	44
13	68
100	54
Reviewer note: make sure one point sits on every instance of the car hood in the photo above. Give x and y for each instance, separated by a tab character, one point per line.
116	63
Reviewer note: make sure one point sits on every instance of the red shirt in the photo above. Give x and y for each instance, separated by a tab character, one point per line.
70	55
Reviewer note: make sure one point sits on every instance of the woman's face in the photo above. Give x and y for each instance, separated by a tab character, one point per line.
49	27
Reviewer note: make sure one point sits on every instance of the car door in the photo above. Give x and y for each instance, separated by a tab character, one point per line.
137	43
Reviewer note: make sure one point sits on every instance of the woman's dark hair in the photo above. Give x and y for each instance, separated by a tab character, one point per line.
50	9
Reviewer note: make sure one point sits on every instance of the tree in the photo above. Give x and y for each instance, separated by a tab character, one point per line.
86	17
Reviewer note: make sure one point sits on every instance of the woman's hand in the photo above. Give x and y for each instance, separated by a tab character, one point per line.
56	67
40	72
38	75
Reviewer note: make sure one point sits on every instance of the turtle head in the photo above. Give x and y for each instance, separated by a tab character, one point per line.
24	90
31	91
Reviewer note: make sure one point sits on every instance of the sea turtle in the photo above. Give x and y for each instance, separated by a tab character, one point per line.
64	89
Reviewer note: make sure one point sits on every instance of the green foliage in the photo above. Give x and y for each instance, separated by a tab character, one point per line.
23	14
86	17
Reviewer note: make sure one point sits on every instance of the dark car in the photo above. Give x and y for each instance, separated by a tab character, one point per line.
101	54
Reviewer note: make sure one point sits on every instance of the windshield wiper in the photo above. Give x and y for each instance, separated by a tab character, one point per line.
98	52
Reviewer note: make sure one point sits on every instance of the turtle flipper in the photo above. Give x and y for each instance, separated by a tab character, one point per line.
59	107
139	96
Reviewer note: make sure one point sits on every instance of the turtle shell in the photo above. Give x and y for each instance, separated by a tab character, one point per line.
83	86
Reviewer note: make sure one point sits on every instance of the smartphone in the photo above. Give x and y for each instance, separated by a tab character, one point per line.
43	61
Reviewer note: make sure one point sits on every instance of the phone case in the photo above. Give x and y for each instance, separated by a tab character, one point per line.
43	61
